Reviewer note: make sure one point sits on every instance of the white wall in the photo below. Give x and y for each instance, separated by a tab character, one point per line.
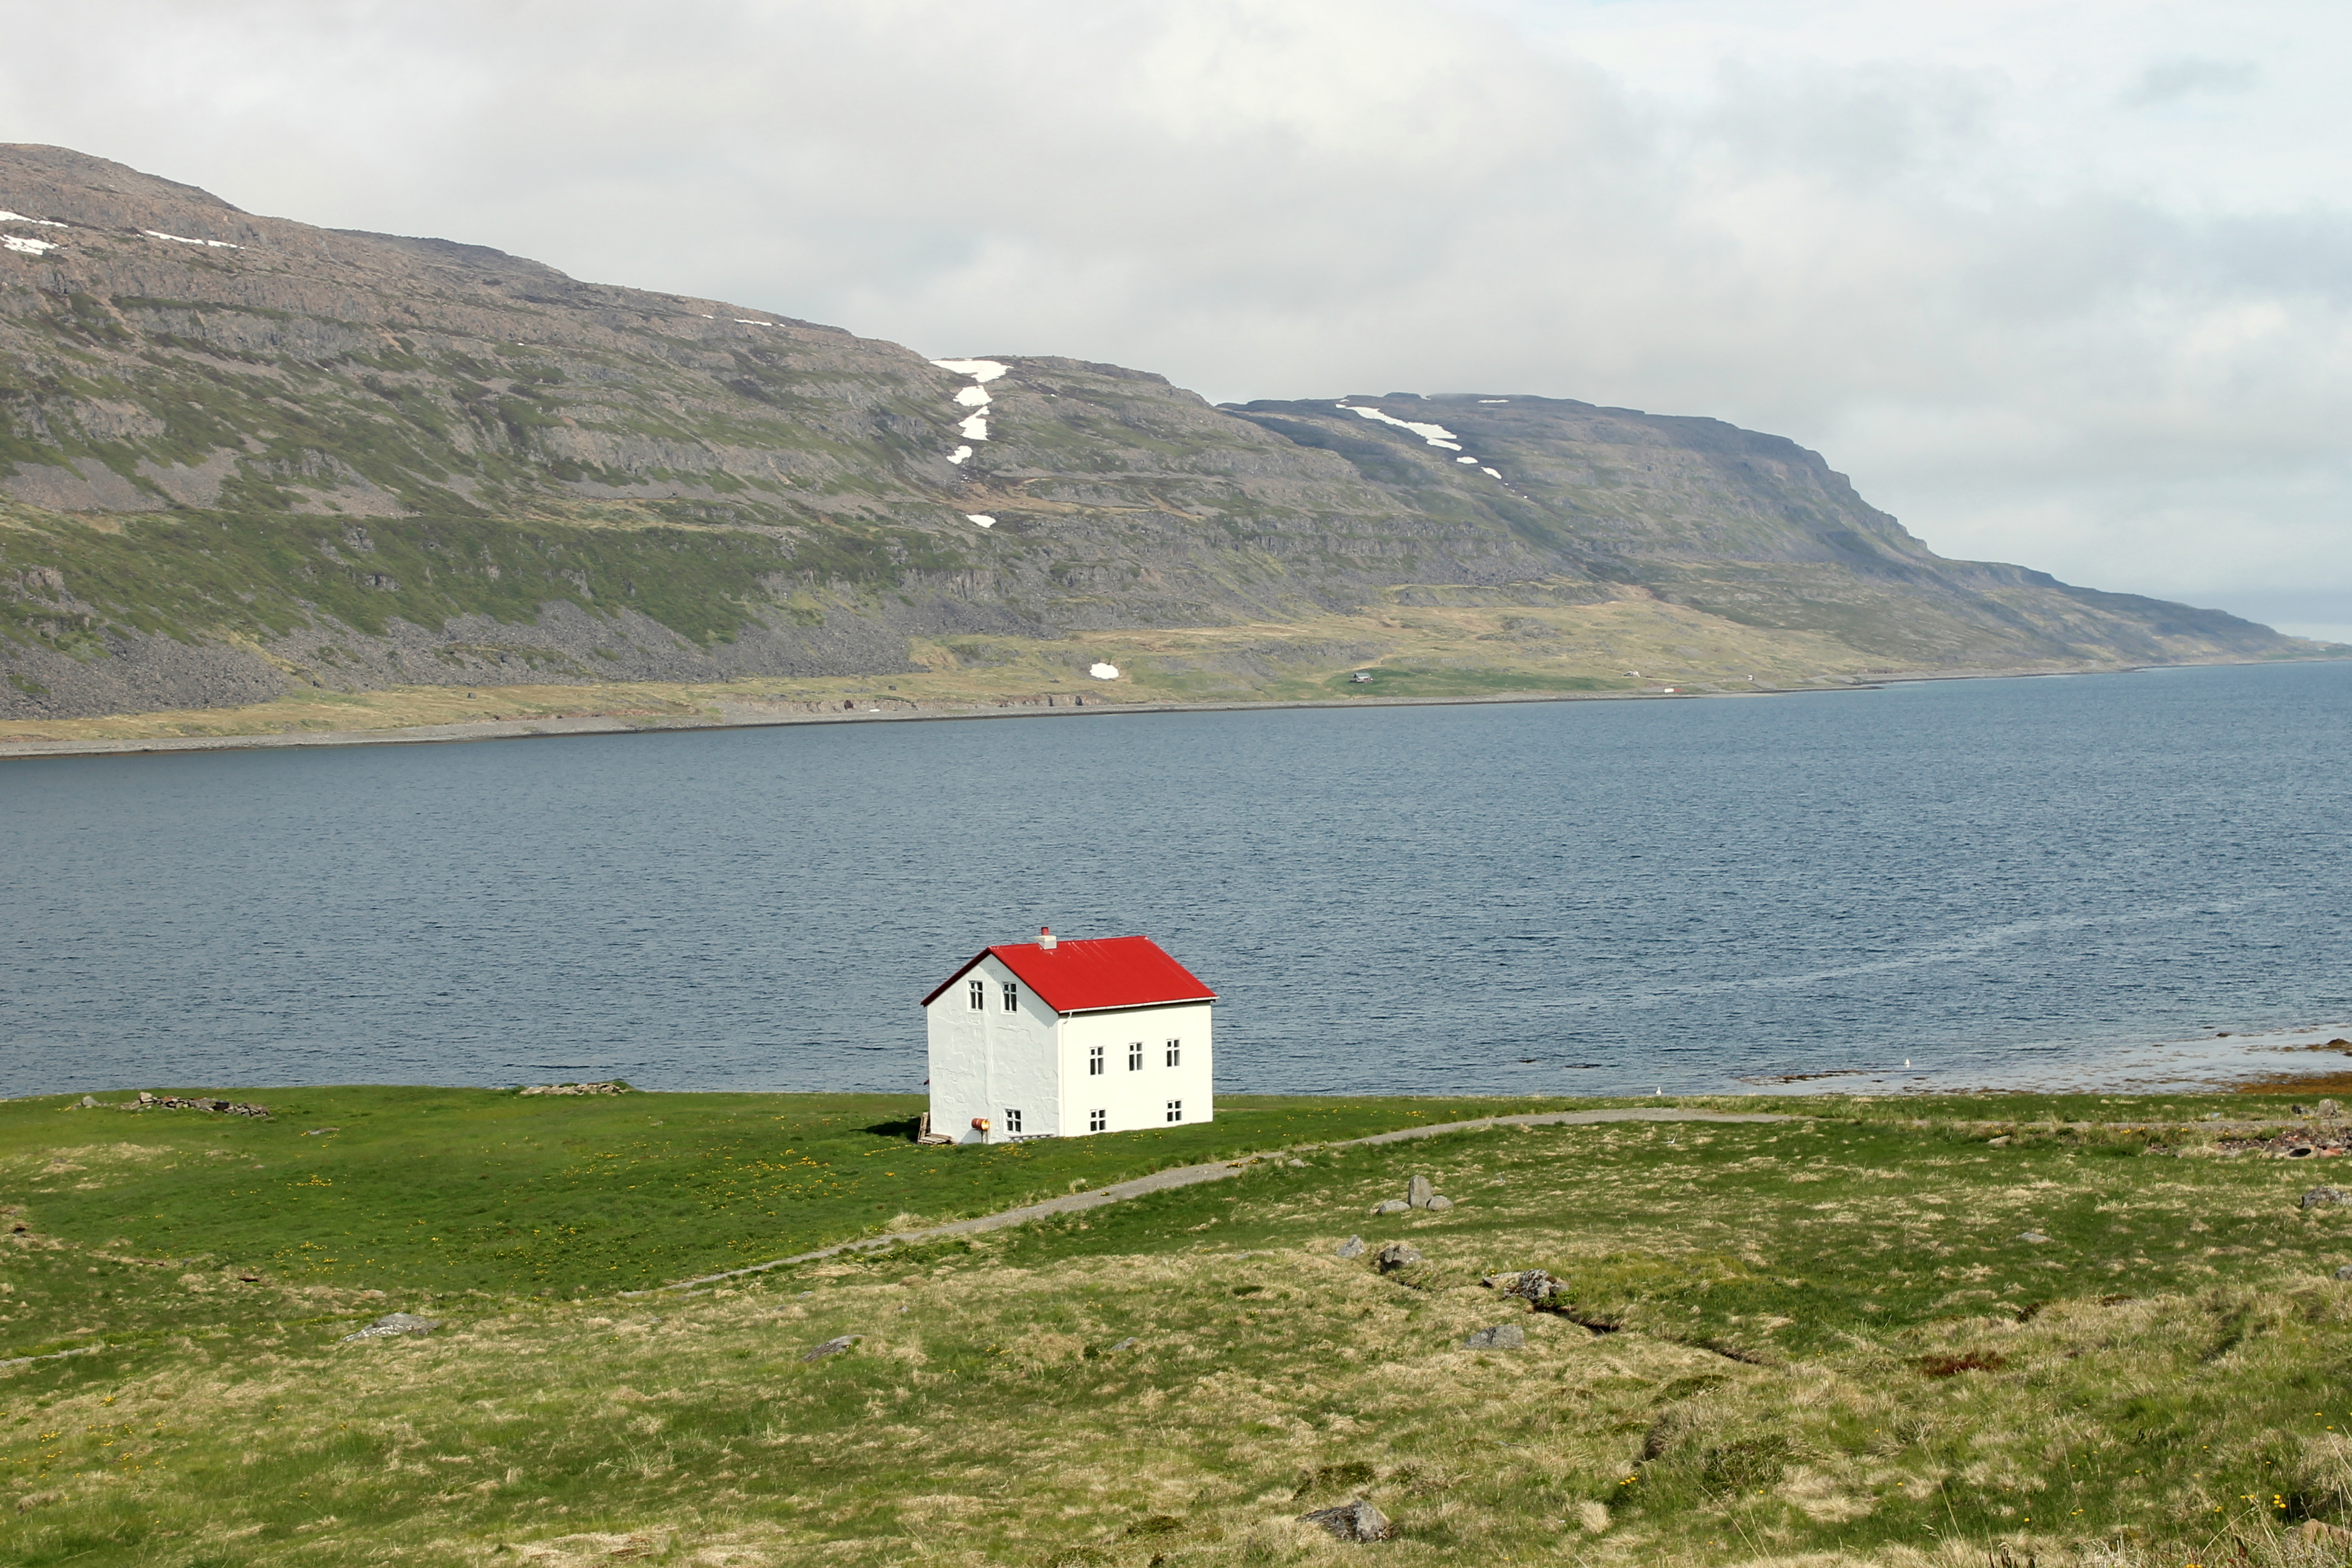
987	1062
1137	1099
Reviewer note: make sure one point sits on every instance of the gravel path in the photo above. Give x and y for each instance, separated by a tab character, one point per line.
1191	1175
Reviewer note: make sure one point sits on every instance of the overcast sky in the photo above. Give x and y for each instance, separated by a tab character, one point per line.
2065	285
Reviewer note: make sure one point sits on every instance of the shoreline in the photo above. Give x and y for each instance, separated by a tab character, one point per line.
752	713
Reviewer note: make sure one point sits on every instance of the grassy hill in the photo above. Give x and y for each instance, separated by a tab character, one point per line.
2059	1330
242	457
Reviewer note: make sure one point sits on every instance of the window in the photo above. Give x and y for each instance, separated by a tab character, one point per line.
1175	1111
980	996
1013	1120
1011	997
1097	1121
1094	1066
1175	1052
1135	1056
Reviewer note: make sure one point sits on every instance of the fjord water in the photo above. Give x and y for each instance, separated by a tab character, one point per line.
1994	878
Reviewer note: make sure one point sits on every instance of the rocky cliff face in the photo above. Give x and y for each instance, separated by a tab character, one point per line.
240	453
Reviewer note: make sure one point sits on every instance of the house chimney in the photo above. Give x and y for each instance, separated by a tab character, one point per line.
1046	938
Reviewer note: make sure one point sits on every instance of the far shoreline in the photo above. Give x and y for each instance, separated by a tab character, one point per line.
747	714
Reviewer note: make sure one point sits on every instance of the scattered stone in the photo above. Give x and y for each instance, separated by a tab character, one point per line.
2212	1116
32	1500
1127	1343
2031	1236
1418	1194
1502	1337
2344	1273
1393	1206
1357	1520
832	1347
1438	1203
1352	1247
393	1323
615	1087
1397	1255
1298	1164
219	1107
319	1131
88	1103
2327	1110
2320	1196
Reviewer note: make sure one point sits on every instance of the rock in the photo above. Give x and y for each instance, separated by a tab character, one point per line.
1352	1247
832	1347
1418	1194
1502	1337
2344	1273
1533	1286
1127	1343
1438	1203
1298	1164
1393	1206
617	1086
1397	1255
2320	1196
393	1323
1357	1520
2327	1110
2000	1143
2301	1151
32	1500
2032	1235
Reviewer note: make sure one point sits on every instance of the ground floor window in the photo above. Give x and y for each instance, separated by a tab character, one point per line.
1013	1120
1097	1121
1175	1111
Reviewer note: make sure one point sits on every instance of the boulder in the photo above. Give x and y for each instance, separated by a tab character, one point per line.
1397	1255
2033	1235
1418	1194
1357	1520
2344	1273
1393	1206
1502	1337
832	1347
1352	1247
393	1323
1127	1343
2329	1110
1438	1203
2319	1197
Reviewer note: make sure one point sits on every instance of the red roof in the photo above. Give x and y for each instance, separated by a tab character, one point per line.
1088	977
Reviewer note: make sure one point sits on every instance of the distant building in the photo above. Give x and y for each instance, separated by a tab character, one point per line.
1055	1039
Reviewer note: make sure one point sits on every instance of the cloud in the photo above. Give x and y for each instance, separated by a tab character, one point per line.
1975	254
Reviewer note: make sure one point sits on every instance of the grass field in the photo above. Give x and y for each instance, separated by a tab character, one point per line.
1824	1340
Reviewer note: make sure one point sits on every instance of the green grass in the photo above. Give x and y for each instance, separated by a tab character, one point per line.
1820	1339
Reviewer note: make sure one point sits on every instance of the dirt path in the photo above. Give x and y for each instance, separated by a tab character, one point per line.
1191	1175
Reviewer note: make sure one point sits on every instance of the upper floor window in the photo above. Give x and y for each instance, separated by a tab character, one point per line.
979	996
1011	997
1135	1056
1175	1053
1094	1065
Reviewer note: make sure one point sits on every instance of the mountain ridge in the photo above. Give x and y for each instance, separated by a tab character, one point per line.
242	455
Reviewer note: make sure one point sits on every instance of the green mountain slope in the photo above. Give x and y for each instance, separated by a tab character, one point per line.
239	454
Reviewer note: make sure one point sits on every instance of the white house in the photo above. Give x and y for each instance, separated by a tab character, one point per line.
1054	1039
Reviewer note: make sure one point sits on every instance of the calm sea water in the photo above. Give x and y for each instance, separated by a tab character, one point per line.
1994	880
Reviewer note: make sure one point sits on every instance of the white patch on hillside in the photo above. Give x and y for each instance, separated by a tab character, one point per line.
748	322
1494	400
184	239
959	454
1491	472
981	517
974	428
1465	459
20	218
978	369
1436	435
974	397
1103	671
18	243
